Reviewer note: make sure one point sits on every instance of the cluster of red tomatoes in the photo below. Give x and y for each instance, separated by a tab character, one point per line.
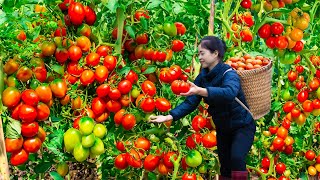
241	27
247	62
280	168
29	108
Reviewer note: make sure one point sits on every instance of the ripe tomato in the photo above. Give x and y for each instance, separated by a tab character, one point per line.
74	69
307	106
113	106
83	43
177	45
296	34
93	59
141	13
151	162
22	36
312	171
281	42
41	134
314	84
148	54
277	28
75	53
19	157
30	97
89	15
24	74
132	77
198	123
29	129
103	90
10	67
278	143
139	51
98	105
27	113
163	105
60	31
130	45
288	150
87	77
298	46
48	48
44	92
114	94
76	13
32	145
282	132
209	140
125	86
246	4
110	62
142	143
147	104
134	159
120	161
280	168
310	155
246	35
43	112
265	31
142	38
167	157
163	169
148	88
265	163
271	42
13	145
128	121
103	51
101	74
292	76
302	96
11	97
192	176
58	88
193	140
181	29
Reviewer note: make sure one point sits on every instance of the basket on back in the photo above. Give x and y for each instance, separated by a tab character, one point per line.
256	85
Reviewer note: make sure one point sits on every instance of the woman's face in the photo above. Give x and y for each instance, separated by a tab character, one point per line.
207	59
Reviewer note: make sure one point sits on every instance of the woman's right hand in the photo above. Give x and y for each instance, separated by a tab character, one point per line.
160	119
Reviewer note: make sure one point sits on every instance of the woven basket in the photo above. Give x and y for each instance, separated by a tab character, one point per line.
256	85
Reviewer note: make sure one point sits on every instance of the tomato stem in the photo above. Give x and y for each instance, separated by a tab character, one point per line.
120	22
1	82
277	64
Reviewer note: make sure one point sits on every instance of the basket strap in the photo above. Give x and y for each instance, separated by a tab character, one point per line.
236	98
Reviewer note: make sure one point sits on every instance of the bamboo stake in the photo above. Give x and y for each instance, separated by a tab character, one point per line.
211	19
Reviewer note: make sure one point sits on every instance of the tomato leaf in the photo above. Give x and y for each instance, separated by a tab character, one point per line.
13	130
113	5
42	167
58	69
131	31
177	8
154	4
150	69
152	176
167	6
144	23
56	119
125	70
55	175
276	106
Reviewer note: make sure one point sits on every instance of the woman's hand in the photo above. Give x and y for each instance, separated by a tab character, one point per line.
194	89
160	119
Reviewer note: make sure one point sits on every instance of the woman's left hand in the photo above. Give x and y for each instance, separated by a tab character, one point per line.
192	91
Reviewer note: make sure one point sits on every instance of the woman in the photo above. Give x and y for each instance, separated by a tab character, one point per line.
219	87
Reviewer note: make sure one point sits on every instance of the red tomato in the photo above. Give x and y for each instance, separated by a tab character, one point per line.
27	113
281	42
265	31
24	74
142	143
125	86
209	140
101	74
104	51
282	132
32	145
110	62
314	84
299	69
246	35
29	129
13	145
76	13
181	29
132	77
307	106
298	47
92	59
140	14
19	157
151	162
271	42
60	31
246	4
148	88
302	96
113	106
103	90
278	143
118	117
87	77
177	45
193	140
286	123
30	97
114	94
120	161
44	92
147	104
40	73
292	76
148	53
163	105
280	168
265	162
89	15
130	45
277	28
11	97
310	155
43	112
83	43
134	159
75	53
273	129
142	38
198	123
74	69
98	105
128	121
58	88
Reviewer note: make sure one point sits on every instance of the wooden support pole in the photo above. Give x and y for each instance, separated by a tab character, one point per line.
211	19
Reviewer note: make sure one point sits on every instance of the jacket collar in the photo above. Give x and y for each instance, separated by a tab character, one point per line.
214	71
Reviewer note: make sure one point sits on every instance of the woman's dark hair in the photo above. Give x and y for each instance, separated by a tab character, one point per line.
213	43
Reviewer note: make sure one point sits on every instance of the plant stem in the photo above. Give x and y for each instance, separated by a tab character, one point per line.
279	80
1	81
120	22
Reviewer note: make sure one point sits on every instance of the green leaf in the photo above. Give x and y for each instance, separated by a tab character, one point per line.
177	8
167	6
56	119
152	176
276	106
131	31
56	176
42	167
13	130
150	69
35	33
113	5
144	23
58	69
125	70
154	4
3	17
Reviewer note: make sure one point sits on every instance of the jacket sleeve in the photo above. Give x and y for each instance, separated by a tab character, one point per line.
227	91
188	105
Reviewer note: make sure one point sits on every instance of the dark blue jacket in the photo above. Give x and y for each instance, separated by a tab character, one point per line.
222	90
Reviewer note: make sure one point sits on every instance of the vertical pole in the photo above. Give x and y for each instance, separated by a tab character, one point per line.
4	168
211	19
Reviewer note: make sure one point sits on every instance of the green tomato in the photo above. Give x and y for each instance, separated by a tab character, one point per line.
98	147
154	138
288	58
34	84
88	141
99	130
71	138
316	112
62	168
194	158
80	153
203	169
147	116
318	93
287	173
286	95
170	29
86	125
135	92
12	81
